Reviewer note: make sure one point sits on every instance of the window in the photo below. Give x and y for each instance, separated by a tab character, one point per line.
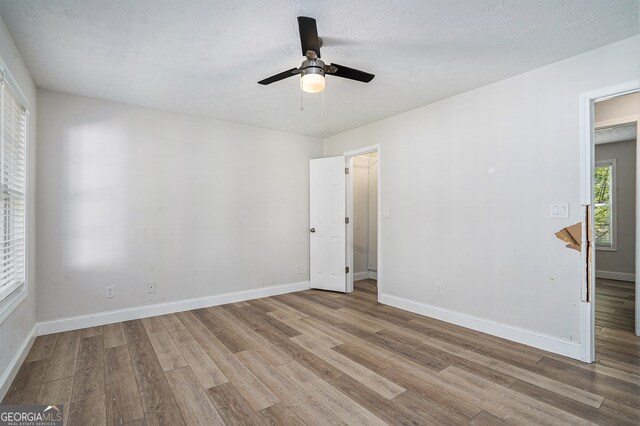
605	204
13	134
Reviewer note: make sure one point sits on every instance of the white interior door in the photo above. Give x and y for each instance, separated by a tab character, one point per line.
327	228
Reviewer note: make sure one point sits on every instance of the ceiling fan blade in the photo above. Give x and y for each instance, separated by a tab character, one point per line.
308	35
280	76
350	73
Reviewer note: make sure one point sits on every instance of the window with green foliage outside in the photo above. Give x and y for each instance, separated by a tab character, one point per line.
603	197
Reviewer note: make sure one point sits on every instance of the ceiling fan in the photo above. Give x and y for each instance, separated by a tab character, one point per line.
313	69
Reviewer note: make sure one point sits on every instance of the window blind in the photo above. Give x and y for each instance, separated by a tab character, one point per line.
13	133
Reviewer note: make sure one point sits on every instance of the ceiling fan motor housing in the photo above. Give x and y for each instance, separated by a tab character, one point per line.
312	66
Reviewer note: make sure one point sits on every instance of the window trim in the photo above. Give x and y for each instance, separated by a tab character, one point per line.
614	205
17	296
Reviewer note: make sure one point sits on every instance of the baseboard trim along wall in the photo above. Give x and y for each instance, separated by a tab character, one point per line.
516	334
13	367
620	276
109	317
360	276
370	274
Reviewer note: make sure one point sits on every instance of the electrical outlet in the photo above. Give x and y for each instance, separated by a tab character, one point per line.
110	291
151	287
438	289
298	269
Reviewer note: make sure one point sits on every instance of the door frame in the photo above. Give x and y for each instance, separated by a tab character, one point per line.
588	261
348	161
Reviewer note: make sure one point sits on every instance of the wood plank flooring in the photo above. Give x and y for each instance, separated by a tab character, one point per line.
320	358
615	304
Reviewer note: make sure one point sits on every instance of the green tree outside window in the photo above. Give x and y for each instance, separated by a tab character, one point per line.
603	197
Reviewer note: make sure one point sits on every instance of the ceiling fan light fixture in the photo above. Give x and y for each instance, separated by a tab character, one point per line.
313	70
312	76
312	83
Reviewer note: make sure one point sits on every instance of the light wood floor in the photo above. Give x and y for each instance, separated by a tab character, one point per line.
321	358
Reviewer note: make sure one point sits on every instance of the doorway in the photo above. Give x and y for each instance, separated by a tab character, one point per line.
610	243
344	249
363	227
615	212
615	140
364	223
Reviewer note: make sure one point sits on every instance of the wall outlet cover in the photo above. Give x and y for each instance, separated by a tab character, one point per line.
110	291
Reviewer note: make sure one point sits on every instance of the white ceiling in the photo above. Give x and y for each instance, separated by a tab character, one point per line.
204	57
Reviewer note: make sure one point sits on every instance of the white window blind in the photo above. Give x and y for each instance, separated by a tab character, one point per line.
13	128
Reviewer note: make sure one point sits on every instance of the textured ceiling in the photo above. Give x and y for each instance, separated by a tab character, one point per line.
204	57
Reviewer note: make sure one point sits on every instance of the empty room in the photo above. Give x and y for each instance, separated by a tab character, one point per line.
288	212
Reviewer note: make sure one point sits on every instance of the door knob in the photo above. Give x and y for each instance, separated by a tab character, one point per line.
312	230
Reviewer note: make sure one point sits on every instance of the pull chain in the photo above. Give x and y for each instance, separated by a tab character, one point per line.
301	100
324	110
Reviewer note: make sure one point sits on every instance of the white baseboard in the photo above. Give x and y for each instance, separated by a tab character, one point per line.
109	317
516	334
16	362
360	276
620	276
366	275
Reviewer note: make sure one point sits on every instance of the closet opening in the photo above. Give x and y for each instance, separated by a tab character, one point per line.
362	229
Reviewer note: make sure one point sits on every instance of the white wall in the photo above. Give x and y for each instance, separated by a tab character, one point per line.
623	259
129	195
488	238
15	329
617	108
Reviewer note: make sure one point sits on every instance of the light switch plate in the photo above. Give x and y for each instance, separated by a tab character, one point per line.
559	210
